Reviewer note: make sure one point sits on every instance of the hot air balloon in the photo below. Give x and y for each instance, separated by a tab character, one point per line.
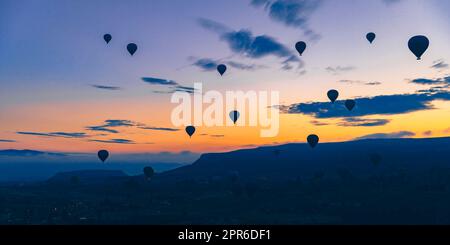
103	155
312	140
221	69
190	130
370	36
333	95
300	46
350	104
234	116
148	172
418	45
132	47
107	38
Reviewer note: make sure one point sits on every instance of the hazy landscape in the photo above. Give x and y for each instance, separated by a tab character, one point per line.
378	181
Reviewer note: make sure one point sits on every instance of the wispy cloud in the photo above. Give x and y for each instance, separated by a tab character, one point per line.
158	81
217	135
112	123
115	141
55	134
358	82
318	123
427	133
426	81
398	104
7	141
243	42
390	2
105	87
362	122
174	86
339	69
159	128
439	65
291	13
109	125
207	64
401	134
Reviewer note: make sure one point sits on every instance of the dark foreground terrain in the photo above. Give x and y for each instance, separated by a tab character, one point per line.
390	181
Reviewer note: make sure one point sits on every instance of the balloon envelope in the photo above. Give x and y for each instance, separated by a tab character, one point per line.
148	172
300	46
333	95
312	140
221	69
234	116
418	45
190	130
370	36
131	47
107	38
350	104
103	155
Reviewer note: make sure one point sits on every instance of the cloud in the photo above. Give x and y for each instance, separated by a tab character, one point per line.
359	82
339	69
439	65
362	122
7	141
378	105
390	2
426	81
401	134
106	87
174	86
291	13
55	134
207	64
427	133
28	153
159	81
217	135
159	128
114	123
115	141
213	26
243	42
318	123
102	129
111	123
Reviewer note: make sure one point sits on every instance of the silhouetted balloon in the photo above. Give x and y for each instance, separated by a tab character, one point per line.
221	69
234	116
350	104
313	140
370	36
149	172
132	47
103	155
418	45
333	95
300	46
107	38
375	158
190	130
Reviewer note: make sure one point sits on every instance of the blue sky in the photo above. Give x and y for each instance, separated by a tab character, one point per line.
58	78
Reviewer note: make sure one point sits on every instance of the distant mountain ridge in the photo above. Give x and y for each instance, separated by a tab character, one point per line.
28	153
295	160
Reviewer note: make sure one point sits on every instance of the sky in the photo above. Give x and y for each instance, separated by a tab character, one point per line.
63	89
